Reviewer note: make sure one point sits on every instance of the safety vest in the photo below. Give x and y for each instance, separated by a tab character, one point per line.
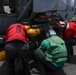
57	51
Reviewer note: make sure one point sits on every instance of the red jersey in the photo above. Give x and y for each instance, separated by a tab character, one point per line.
15	32
70	31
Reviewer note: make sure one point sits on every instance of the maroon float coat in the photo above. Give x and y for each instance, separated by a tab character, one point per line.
15	32
70	31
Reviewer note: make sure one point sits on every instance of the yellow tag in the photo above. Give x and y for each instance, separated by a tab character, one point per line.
37	43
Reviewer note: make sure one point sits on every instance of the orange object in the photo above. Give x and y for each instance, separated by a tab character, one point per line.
2	55
27	39
50	27
37	43
27	27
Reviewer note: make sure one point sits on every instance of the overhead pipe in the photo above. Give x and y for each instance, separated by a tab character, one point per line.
32	16
26	9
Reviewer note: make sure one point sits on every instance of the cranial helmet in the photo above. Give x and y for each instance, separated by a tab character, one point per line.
50	33
62	24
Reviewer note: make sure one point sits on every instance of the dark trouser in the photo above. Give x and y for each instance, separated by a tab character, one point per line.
1	6
69	45
20	50
40	61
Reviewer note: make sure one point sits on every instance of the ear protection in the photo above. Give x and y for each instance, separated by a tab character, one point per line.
47	34
50	33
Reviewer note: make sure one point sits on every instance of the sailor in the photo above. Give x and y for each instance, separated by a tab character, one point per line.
52	52
16	47
68	35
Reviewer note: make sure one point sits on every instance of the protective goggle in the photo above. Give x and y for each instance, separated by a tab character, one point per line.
62	25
